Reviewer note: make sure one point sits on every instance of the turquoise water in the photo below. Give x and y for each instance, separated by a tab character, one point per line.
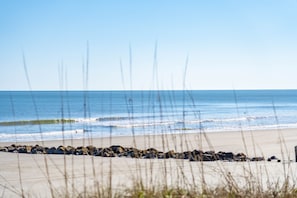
105	113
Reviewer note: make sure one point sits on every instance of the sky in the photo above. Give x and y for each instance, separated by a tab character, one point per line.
150	44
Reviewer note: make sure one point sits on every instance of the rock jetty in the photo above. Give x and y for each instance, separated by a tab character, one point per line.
130	152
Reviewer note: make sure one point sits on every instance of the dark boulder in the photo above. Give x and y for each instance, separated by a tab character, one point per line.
61	150
273	158
11	148
213	154
170	154
152	150
196	155
21	149
187	154
37	149
228	156
256	159
28	148
135	153
92	150
179	155
69	150
153	153
240	157
81	150
106	152
117	149
3	149
51	150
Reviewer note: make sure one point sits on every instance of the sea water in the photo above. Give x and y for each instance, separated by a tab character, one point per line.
118	113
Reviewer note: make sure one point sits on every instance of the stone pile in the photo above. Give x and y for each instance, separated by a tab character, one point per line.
130	152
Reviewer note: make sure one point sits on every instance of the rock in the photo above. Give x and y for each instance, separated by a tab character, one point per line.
152	150
170	154
179	156
98	152
240	157
152	153
273	158
51	150
3	149
194	159
81	150
106	152
70	150
29	149
21	149
219	155
228	156
92	150
210	156
161	155
195	155
187	154
61	150
109	154
11	148
256	159
134	153
117	149
37	149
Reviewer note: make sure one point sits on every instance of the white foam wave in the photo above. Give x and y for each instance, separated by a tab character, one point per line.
136	124
86	119
51	135
168	122
248	118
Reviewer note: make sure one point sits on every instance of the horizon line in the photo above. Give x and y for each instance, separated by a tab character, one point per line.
103	90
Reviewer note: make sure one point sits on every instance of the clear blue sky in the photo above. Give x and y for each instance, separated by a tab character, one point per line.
230	44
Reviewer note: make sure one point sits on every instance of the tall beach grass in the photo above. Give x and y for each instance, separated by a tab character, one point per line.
90	176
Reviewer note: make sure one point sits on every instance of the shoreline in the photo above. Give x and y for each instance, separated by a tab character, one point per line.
254	142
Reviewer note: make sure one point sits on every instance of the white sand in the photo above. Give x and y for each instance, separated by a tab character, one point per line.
91	171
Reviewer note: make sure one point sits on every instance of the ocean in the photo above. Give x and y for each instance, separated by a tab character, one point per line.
121	113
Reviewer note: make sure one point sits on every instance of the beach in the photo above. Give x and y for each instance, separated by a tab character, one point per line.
148	99
73	174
